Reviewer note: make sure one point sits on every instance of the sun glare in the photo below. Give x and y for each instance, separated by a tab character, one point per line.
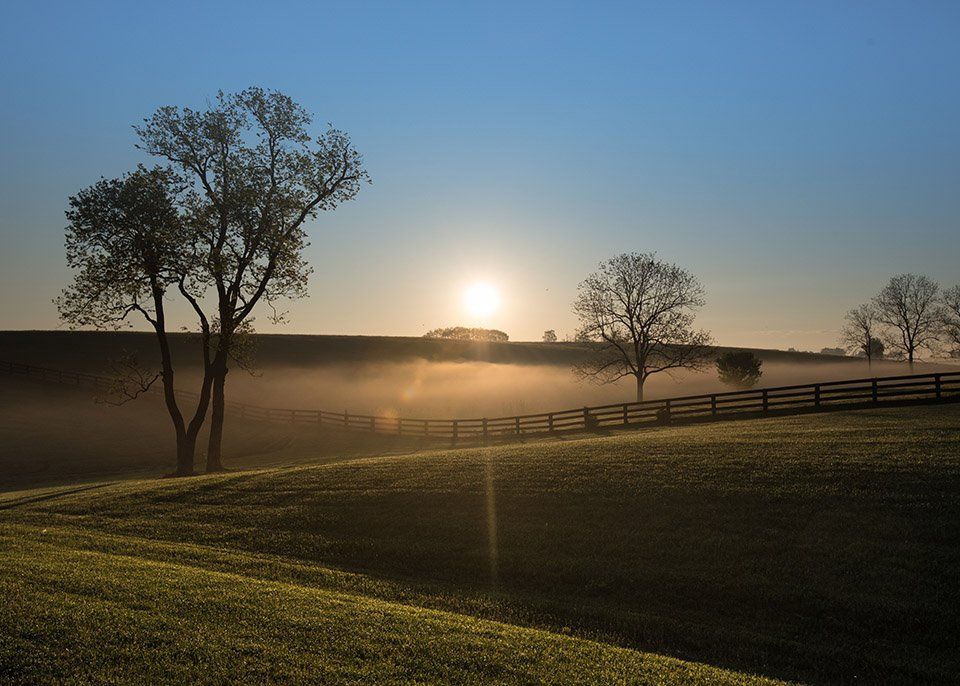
481	300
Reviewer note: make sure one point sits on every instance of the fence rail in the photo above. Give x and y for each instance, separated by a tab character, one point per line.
940	386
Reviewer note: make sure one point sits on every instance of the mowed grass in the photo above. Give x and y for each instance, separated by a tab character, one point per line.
820	548
73	615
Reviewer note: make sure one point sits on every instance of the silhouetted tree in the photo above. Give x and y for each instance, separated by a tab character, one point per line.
640	310
739	368
463	333
129	245
950	318
860	334
549	336
908	305
256	178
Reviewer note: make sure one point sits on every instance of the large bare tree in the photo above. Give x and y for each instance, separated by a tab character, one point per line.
129	246
640	310
257	177
908	305
950	318
861	333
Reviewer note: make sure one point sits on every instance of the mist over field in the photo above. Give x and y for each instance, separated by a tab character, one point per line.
427	389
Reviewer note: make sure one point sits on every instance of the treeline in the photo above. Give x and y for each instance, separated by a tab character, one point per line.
909	315
464	333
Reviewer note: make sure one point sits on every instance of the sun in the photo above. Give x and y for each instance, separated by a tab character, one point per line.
481	300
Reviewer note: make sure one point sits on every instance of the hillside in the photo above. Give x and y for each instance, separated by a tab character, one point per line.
90	350
820	548
97	616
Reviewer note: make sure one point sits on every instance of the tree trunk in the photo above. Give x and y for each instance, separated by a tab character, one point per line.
186	448
215	443
640	389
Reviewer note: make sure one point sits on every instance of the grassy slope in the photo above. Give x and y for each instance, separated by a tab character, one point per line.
92	350
816	547
74	615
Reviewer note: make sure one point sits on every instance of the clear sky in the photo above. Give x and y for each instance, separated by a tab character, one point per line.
793	155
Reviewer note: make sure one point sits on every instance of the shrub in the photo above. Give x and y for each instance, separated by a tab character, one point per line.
739	368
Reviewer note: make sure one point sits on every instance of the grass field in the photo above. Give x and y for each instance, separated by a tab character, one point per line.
820	548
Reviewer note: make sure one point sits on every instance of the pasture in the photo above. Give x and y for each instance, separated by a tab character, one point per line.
817	548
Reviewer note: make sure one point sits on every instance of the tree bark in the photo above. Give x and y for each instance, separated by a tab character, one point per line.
186	449
215	441
639	389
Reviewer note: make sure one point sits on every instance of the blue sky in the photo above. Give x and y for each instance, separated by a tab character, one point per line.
792	155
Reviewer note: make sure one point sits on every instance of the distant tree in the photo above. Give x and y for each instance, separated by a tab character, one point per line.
641	311
463	333
129	247
950	319
836	352
861	332
878	349
739	368
257	177
549	336
908	305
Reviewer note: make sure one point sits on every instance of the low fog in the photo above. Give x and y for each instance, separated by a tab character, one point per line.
427	389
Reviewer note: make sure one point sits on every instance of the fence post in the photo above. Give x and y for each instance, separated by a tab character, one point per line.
626	416
666	411
516	424
455	431
550	422
766	401
373	424
936	385
873	390
426	427
713	405
816	395
485	434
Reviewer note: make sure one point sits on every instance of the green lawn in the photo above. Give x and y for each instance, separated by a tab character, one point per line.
73	615
820	548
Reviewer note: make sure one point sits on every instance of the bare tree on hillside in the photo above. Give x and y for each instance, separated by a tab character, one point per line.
129	246
908	305
257	177
641	311
861	333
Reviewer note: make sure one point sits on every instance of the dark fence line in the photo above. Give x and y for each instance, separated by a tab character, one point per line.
781	399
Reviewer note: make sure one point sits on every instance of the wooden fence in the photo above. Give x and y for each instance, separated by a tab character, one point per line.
795	399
